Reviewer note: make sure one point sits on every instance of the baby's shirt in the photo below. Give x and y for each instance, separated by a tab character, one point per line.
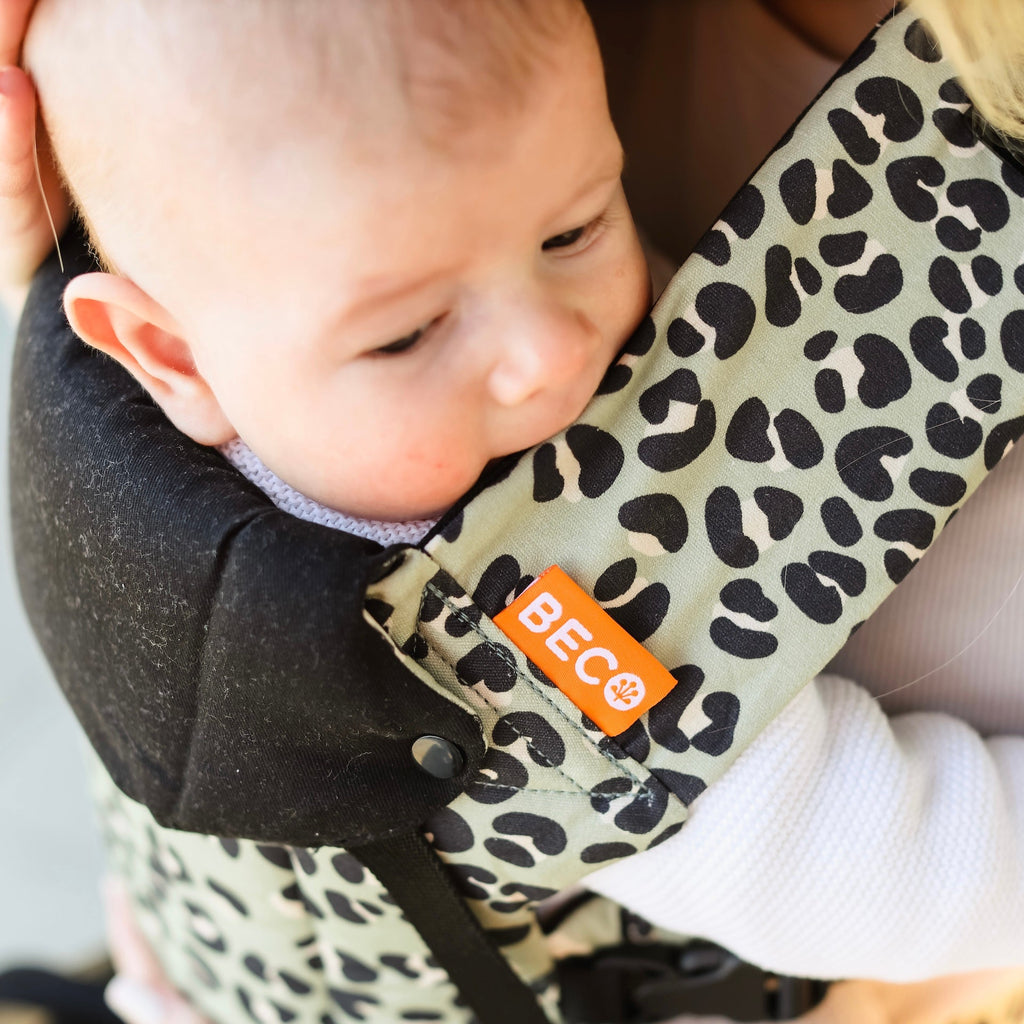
289	500
844	843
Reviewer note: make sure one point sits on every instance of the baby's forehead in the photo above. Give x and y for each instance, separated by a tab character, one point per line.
429	51
430	66
213	87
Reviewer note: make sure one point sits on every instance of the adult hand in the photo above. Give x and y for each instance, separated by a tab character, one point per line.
26	234
140	992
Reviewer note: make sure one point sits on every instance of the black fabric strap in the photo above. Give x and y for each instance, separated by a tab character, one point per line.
418	882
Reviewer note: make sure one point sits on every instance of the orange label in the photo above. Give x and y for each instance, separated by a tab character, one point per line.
607	674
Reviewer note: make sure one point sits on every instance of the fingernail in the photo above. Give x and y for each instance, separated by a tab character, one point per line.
135	1002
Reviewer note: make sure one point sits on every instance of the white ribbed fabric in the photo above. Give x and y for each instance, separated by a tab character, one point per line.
843	843
286	498
846	844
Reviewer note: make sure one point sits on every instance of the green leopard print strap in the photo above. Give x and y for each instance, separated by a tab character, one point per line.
821	387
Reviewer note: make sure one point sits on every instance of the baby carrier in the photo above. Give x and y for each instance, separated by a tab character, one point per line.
337	788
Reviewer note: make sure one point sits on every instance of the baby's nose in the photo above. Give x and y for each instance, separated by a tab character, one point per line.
544	352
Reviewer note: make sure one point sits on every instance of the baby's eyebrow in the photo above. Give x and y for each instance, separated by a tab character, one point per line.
380	290
611	169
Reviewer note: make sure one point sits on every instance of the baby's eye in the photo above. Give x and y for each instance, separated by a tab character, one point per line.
403	344
579	238
564	240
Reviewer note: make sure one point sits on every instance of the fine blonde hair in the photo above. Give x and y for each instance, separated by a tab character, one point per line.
984	40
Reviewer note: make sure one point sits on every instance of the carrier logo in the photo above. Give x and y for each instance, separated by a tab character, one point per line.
607	674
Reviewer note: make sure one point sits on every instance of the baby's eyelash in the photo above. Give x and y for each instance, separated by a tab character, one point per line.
568	239
403	344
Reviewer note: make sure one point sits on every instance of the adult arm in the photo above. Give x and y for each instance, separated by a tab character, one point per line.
846	844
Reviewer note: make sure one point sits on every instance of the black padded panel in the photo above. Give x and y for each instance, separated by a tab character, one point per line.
213	648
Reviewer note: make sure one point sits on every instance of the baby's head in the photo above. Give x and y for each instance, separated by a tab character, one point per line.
382	241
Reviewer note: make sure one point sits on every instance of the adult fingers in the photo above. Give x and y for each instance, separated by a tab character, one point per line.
140	992
136	1003
132	955
13	22
26	234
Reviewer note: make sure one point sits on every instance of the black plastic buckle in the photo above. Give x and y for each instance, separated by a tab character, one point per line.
644	984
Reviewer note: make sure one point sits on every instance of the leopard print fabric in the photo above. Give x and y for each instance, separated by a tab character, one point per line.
823	384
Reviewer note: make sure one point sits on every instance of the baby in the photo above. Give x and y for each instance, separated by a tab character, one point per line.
378	266
382	265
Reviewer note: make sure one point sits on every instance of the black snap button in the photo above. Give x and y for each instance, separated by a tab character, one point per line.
438	757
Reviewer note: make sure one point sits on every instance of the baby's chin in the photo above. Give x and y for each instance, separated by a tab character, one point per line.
413	504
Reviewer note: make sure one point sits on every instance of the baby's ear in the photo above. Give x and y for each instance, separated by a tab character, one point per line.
119	318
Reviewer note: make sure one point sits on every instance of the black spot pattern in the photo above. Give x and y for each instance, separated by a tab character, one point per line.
1000	438
781	508
497	583
820	345
723	518
599	455
485	665
500	776
886	376
672	450
850	191
909	180
818	601
546	747
897	102
859	460
644	612
782	303
841	250
451	832
730	312
1011	337
919	41
841	522
663	718
660	516
746	437
600	853
937	487
797	186
985	393
800	442
947	285
864	293
740	642
951	434
747	598
928	343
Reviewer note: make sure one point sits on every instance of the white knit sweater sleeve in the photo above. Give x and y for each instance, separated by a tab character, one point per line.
846	844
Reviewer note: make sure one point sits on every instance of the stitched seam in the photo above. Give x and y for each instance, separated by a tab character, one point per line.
579	791
543	762
526	740
504	656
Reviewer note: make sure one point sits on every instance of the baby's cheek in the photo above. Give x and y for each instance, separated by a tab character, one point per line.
433	477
